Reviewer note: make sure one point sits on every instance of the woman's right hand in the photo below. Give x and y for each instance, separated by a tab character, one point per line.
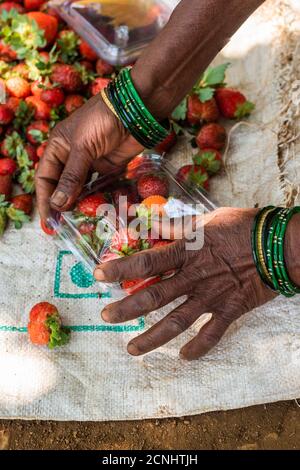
92	138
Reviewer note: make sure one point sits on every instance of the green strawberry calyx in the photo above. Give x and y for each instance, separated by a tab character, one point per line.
244	109
17	216
59	335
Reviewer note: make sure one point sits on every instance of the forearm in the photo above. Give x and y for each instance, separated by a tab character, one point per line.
195	33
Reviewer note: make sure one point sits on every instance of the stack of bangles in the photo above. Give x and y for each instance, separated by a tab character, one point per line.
268	237
124	101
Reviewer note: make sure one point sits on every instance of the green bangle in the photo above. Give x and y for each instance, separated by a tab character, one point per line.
284	287
269	245
260	262
138	110
144	110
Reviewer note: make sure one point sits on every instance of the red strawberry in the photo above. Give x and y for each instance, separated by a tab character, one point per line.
44	327
6	184
1	130
67	77
32	5
135	285
37	88
87	51
23	202
87	65
198	112
89	205
153	184
233	104
41	149
210	159
45	56
47	23
103	68
129	191
50	11
7	53
98	84
73	102
193	174
13	103
86	228
37	132
7	166
7	6
53	97
42	110
22	70
32	153
18	87
167	143
6	114
211	136
124	243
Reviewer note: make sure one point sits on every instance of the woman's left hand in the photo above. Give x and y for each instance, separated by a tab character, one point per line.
221	278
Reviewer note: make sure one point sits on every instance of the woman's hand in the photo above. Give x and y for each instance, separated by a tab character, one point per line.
92	138
221	279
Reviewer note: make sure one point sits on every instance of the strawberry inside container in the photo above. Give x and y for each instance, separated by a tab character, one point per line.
134	208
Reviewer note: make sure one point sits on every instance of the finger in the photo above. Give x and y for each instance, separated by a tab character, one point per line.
50	168
167	329
208	336
142	265
146	300
71	180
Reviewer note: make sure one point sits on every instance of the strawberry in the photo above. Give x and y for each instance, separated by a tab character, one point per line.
7	53
211	136
89	205
103	68
134	285
41	149
3	210
7	6
47	23
6	182
193	174
23	202
37	132
210	159
153	184
67	77
21	70
167	143
13	103
26	180
156	202
6	114
73	102
129	191
53	97
87	51
198	112
18	87
233	104
31	152
159	243
98	84
42	110
36	88
7	166
67	43
87	65
32	5
45	328
86	228
124	243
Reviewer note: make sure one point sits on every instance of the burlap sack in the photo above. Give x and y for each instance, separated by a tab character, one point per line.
93	378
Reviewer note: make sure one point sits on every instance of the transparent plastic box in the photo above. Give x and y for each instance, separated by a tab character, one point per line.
103	232
118	30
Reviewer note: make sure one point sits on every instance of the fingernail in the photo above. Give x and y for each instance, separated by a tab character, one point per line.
99	275
59	198
105	315
132	349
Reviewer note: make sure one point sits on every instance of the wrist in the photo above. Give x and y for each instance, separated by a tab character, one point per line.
291	249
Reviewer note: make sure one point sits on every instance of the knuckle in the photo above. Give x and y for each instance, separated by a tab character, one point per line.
69	178
145	263
153	297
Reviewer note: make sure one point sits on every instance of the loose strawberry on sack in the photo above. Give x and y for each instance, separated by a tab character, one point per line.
233	104
210	159
194	175
45	328
20	209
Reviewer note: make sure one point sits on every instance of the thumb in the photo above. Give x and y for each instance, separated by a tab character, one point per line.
71	180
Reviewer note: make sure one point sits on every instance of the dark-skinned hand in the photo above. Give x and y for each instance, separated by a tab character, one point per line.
91	139
220	278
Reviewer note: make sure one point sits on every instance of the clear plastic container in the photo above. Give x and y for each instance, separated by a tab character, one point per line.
117	30
112	219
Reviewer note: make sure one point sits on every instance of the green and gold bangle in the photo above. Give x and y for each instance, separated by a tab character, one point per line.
258	247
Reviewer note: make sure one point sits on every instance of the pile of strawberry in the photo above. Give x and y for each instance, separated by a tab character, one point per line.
46	73
144	194
198	114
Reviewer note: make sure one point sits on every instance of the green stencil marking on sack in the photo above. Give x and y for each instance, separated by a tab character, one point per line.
81	277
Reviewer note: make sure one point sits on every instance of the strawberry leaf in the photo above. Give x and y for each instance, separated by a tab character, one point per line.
214	75
179	113
59	335
244	109
204	94
17	216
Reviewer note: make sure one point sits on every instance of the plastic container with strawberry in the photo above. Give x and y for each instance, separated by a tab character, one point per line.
125	212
